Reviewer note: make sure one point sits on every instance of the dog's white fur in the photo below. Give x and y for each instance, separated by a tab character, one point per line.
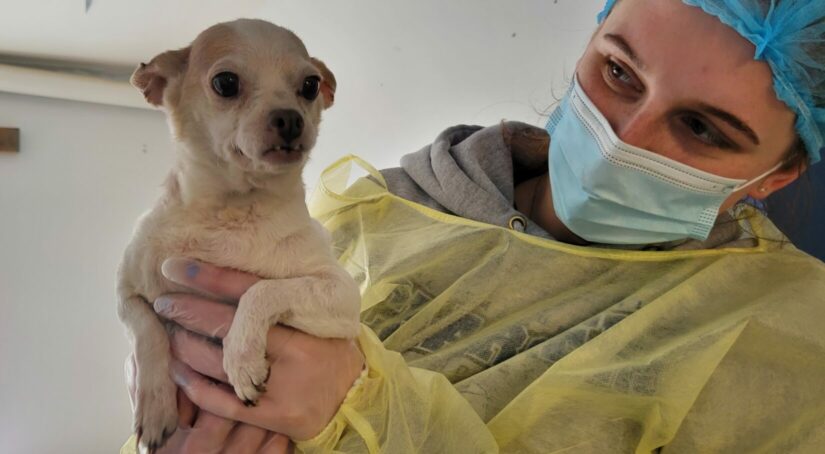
225	204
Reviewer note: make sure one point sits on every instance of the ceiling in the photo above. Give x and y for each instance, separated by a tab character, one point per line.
124	33
111	31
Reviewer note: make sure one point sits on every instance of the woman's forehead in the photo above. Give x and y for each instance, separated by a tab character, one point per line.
673	35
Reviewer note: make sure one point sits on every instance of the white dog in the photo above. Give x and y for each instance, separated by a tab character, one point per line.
244	103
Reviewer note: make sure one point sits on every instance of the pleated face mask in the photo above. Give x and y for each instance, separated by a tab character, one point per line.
607	191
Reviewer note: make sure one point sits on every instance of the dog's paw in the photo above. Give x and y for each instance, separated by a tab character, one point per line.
246	367
156	414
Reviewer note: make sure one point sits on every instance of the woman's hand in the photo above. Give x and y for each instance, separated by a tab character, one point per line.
201	432
309	376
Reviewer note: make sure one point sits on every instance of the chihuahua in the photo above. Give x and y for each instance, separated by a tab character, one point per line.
244	104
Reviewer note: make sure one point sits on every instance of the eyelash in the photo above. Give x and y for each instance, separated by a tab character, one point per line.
688	120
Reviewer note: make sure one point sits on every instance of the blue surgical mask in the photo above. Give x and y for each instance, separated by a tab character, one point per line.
607	191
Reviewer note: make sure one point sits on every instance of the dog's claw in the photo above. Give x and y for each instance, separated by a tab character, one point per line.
154	446
155	415
250	403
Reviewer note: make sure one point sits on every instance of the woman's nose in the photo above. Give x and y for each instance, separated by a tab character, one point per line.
640	128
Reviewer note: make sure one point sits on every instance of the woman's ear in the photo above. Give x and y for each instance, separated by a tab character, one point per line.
775	182
154	77
328	83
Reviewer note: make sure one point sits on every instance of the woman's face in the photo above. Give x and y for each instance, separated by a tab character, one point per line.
676	81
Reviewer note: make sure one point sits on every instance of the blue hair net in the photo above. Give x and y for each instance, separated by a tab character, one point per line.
790	36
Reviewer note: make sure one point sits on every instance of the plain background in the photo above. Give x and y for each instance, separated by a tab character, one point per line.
68	200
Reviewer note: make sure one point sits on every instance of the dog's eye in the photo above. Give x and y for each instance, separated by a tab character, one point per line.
311	88
226	84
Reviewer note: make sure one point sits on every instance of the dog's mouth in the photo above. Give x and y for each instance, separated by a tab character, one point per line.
285	148
282	154
277	154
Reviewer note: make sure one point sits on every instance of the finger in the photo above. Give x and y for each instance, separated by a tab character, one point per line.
201	355
245	439
216	398
276	443
224	283
187	411
200	315
208	435
213	319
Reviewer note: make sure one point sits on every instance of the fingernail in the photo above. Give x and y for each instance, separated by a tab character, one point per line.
179	269
163	305
179	373
192	270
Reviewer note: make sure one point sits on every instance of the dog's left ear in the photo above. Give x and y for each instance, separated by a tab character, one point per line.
328	83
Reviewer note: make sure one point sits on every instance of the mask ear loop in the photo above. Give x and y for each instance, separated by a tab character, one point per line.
754	180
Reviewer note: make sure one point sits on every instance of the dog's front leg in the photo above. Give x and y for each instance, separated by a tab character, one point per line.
156	408
326	305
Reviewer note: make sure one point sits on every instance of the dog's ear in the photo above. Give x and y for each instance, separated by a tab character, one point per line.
328	83
152	78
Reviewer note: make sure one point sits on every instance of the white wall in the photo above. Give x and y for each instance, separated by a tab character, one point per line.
67	205
68	201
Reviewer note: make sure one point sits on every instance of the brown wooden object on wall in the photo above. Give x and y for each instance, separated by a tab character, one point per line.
9	139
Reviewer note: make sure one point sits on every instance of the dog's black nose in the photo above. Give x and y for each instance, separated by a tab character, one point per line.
288	122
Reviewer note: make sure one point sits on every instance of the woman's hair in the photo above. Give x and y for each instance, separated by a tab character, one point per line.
796	158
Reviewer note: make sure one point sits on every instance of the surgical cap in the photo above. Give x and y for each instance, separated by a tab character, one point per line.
790	36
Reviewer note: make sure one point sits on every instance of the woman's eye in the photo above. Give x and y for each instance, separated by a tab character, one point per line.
311	87
618	73
705	133
621	79
226	84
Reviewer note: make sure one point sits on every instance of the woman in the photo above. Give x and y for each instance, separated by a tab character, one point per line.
629	303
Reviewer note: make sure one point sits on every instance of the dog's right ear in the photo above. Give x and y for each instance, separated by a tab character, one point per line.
152	78
328	82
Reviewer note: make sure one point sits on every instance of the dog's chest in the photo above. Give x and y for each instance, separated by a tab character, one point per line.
270	245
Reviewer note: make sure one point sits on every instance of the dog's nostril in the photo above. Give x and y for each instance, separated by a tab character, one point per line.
288	123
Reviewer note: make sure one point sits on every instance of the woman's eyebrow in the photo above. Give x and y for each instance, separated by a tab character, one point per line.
732	120
625	47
